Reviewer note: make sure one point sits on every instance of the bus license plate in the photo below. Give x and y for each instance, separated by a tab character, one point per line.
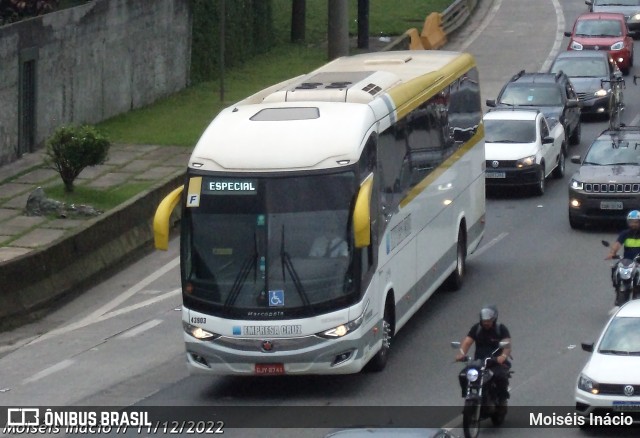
626	406
269	369
611	205
495	175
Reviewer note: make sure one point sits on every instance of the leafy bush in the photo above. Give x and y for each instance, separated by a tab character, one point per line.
16	10
72	148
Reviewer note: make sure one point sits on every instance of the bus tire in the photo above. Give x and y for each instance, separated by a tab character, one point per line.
455	280
379	361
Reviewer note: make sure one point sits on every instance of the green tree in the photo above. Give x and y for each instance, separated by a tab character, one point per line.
16	10
72	148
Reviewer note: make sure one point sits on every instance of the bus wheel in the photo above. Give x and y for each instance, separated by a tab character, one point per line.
379	361
454	281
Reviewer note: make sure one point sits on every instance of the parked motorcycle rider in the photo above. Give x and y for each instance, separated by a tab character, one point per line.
630	240
487	334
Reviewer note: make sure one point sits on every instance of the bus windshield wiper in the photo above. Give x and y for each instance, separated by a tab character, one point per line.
248	264
286	262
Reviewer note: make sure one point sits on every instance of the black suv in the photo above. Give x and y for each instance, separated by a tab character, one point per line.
551	93
606	186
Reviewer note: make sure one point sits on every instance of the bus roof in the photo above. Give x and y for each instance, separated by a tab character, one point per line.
329	112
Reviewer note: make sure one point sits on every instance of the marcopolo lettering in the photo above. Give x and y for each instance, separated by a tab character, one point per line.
231	187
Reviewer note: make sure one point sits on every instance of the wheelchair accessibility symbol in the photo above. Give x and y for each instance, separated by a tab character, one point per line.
276	298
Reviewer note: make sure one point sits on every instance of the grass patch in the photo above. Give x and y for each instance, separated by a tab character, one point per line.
101	199
180	119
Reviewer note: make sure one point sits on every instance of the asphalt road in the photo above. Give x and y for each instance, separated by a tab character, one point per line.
120	344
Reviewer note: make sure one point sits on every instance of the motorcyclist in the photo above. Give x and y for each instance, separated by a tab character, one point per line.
629	238
487	334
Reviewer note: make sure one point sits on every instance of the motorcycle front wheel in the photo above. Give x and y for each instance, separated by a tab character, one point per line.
471	418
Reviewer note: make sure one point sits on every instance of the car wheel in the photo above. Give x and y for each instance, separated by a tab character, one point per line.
575	135
558	172
540	187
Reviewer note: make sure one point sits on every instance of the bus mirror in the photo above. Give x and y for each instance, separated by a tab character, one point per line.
162	217
362	214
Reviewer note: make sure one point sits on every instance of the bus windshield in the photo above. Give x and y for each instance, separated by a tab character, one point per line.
270	248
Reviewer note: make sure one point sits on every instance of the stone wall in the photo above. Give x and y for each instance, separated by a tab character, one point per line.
87	64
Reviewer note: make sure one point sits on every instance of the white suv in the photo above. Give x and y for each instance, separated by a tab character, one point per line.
522	148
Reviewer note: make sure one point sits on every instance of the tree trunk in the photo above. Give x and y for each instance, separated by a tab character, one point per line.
298	17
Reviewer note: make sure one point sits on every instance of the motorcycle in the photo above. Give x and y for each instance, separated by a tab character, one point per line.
481	401
625	277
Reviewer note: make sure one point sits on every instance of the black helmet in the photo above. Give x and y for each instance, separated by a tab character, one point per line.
489	312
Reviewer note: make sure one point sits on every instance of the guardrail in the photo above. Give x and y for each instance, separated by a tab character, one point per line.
436	28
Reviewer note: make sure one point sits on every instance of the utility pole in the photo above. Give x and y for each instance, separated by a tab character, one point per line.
363	24
338	28
221	48
298	20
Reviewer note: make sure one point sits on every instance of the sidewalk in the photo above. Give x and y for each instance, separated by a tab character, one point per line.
21	234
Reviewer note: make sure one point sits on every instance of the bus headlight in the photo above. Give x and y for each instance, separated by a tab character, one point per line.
199	332
342	329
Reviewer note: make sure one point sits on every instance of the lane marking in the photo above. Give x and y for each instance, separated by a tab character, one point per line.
560	24
482	249
476	33
48	371
98	315
140	329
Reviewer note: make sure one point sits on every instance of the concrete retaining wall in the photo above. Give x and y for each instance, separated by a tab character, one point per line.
40	278
91	63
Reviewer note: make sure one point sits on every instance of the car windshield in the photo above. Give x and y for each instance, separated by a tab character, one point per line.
622	337
581	67
532	95
509	131
608	152
600	27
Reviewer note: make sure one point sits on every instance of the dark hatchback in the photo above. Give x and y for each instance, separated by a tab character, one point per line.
629	8
593	75
551	93
607	184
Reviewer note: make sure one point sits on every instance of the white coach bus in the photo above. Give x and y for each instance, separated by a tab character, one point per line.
319	214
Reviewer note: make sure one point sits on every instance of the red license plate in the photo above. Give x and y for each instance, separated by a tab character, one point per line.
269	369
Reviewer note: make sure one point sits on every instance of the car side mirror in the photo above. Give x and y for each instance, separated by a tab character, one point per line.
567	34
575	159
587	347
547	140
491	103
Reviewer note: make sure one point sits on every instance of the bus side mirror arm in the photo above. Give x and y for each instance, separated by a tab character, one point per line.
162	217
362	214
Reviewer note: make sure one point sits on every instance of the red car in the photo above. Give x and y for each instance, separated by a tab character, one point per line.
603	31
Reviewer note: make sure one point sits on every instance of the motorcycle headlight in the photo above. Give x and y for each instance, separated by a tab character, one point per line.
617	46
600	93
472	374
588	385
526	161
575	45
577	185
625	273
